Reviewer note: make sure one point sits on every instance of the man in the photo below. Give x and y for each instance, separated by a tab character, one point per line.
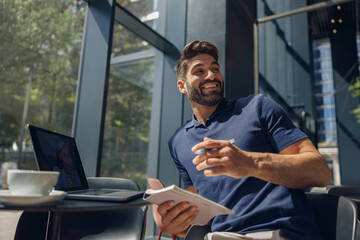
260	177
69	177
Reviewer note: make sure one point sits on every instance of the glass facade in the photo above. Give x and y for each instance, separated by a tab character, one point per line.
306	63
284	63
145	10
128	108
40	44
127	121
324	93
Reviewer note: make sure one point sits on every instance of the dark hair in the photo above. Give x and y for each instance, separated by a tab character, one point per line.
59	147
191	50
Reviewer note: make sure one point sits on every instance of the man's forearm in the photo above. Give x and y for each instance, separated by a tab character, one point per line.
303	170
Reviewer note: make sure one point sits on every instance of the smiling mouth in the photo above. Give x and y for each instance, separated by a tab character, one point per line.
210	86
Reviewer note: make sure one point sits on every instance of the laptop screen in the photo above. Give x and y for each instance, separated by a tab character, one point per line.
57	152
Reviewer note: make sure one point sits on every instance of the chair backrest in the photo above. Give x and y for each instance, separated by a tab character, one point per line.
325	211
348	191
116	224
119	224
197	232
347	223
337	217
352	192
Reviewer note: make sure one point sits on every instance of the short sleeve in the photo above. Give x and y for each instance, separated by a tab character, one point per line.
279	129
183	173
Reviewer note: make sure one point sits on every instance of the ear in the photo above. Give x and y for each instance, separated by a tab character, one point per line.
181	86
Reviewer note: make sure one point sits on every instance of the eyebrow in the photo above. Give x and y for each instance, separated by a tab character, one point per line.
201	64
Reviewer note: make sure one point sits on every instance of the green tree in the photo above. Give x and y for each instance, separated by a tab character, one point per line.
39	46
355	92
127	126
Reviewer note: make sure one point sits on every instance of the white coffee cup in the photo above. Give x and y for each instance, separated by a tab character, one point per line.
31	182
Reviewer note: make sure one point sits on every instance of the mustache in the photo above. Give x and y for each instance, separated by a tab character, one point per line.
210	81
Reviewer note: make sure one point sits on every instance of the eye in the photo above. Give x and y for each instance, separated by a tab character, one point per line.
216	69
199	71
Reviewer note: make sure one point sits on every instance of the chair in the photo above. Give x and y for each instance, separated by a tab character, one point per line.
347	191
197	232
119	224
336	216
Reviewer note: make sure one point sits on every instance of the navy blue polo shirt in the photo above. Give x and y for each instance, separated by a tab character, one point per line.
257	124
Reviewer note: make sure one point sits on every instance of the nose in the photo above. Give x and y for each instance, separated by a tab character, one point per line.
210	75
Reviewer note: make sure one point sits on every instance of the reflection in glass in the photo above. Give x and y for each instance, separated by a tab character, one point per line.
145	10
284	63
324	92
128	111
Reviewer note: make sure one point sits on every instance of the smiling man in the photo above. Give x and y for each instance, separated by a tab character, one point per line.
261	176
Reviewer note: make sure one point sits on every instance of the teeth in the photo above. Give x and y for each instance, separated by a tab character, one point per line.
210	86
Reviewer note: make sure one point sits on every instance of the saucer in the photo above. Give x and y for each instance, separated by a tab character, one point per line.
31	200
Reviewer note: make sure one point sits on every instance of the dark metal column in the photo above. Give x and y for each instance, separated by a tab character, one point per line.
93	83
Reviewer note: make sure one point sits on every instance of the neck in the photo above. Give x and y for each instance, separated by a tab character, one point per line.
202	112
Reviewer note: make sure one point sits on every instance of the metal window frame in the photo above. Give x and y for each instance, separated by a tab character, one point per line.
133	24
94	68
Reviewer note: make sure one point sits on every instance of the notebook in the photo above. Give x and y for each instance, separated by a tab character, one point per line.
58	152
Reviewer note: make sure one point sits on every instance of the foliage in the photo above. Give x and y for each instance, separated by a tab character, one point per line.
39	44
7	130
124	41
127	121
355	92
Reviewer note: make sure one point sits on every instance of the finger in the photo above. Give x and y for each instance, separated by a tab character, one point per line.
206	155
214	172
210	143
174	212
187	219
165	206
206	143
211	162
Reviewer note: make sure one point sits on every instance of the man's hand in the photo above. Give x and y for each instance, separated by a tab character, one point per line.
226	159
175	220
299	165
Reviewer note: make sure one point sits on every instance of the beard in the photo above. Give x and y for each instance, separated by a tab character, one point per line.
209	99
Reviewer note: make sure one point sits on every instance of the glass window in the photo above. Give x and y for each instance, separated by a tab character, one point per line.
323	76
316	54
39	60
329	125
329	112
325	53
328	99
319	100
326	64
327	88
145	10
317	65
127	121
326	76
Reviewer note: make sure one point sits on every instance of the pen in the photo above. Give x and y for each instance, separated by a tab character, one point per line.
200	151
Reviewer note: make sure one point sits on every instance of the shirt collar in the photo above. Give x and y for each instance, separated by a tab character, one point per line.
223	106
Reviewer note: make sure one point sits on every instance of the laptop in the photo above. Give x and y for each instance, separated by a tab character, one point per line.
58	152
